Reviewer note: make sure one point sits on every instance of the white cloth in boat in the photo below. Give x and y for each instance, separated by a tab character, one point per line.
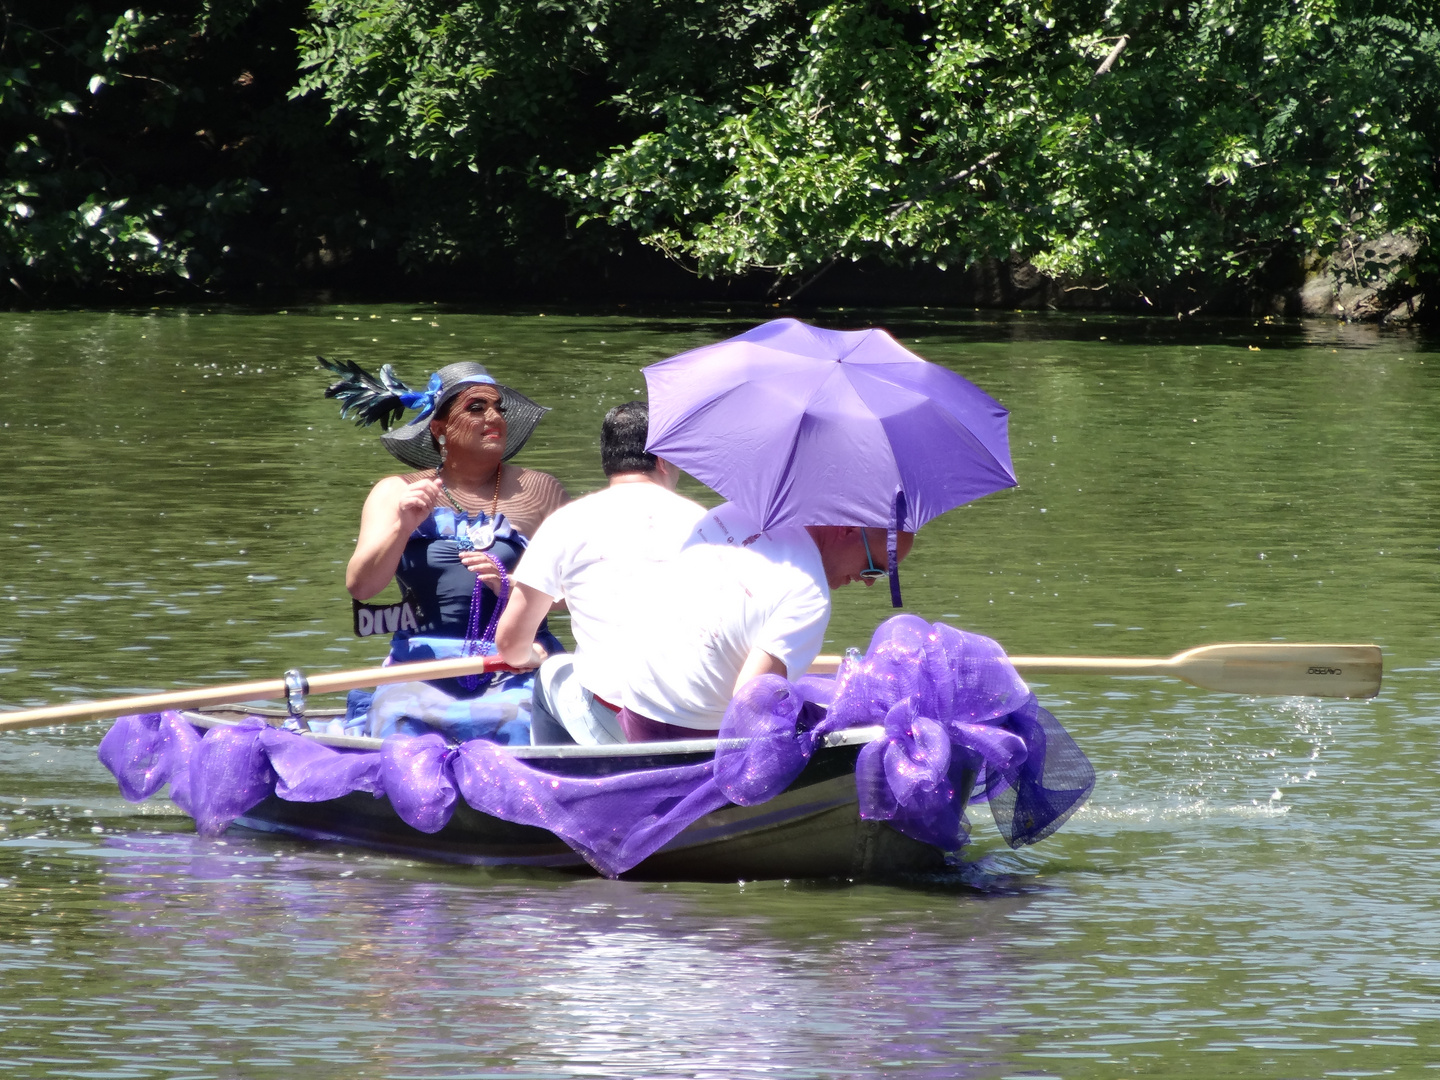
563	711
696	619
593	553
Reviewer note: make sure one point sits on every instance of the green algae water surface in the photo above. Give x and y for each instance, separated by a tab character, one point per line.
1253	889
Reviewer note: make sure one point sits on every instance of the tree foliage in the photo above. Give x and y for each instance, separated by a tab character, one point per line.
486	99
1226	134
1138	144
155	144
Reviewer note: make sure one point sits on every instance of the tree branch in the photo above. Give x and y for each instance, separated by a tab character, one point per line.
808	282
944	185
1109	61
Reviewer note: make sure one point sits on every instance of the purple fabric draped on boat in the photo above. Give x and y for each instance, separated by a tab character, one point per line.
951	705
147	752
951	702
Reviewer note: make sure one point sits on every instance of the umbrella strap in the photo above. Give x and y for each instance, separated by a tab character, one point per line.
892	549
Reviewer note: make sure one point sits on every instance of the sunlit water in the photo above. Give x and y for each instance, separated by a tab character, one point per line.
1253	890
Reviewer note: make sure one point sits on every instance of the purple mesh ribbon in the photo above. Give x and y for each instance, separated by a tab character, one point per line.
476	643
146	752
950	702
416	774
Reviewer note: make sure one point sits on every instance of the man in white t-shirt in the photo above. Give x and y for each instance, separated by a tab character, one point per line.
738	602
596	554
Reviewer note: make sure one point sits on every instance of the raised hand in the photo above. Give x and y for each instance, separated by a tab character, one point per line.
479	563
416	501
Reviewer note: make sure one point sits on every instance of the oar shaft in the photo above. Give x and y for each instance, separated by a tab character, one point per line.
324	683
1083	665
1281	669
1052	665
1318	670
142	703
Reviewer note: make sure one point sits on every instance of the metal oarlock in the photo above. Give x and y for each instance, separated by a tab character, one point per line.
297	690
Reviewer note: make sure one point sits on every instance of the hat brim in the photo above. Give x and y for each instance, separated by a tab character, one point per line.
414	445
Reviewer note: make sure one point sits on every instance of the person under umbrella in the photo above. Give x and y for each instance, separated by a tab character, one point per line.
832	447
729	612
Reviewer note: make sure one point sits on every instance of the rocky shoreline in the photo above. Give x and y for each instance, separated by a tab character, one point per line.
1365	281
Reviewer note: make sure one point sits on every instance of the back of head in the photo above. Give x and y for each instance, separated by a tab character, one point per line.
622	439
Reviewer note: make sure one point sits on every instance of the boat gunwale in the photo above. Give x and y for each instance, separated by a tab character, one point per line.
857	736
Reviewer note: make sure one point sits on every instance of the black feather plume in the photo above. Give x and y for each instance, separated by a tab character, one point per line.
369	398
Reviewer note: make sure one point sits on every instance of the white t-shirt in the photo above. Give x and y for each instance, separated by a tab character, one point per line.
708	608
598	554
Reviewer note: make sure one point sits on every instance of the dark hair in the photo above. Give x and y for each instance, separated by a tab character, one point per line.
622	439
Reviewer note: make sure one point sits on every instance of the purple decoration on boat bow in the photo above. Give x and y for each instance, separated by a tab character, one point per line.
149	750
416	775
229	773
950	703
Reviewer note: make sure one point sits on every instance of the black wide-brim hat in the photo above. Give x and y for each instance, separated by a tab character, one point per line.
413	443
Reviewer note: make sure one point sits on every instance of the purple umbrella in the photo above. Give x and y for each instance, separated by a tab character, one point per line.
804	426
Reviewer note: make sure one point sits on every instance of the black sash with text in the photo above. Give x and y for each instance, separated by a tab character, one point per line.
372	619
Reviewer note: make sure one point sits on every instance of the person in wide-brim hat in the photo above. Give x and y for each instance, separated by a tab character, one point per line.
449	532
416	445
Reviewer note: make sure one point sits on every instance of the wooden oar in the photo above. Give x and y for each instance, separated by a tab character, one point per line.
1267	670
1285	670
326	683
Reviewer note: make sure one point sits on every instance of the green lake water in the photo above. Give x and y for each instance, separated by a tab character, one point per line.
1252	891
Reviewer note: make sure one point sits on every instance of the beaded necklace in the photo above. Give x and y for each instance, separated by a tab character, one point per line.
476	643
480	536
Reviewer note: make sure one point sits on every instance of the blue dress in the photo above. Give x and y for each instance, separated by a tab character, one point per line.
440	588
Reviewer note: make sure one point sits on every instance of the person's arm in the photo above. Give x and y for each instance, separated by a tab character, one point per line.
392	512
793	634
515	634
758	663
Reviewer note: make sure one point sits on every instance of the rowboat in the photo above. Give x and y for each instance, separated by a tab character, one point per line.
790	817
810	830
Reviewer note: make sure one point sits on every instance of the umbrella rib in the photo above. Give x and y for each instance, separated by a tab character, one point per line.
782	477
860	339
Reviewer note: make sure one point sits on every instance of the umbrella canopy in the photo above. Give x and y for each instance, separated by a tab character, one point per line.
804	426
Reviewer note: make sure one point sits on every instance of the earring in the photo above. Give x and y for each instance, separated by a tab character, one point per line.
440	446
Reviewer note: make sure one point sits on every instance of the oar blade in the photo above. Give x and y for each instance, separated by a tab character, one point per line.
1283	670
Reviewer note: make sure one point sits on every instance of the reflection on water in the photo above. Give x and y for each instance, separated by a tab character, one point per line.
1252	890
246	954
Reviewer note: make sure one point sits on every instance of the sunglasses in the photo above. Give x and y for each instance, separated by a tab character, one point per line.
871	571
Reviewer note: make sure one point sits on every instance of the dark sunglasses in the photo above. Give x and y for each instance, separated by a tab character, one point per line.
871	571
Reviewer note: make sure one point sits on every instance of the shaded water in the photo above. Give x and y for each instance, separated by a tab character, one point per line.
1252	890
